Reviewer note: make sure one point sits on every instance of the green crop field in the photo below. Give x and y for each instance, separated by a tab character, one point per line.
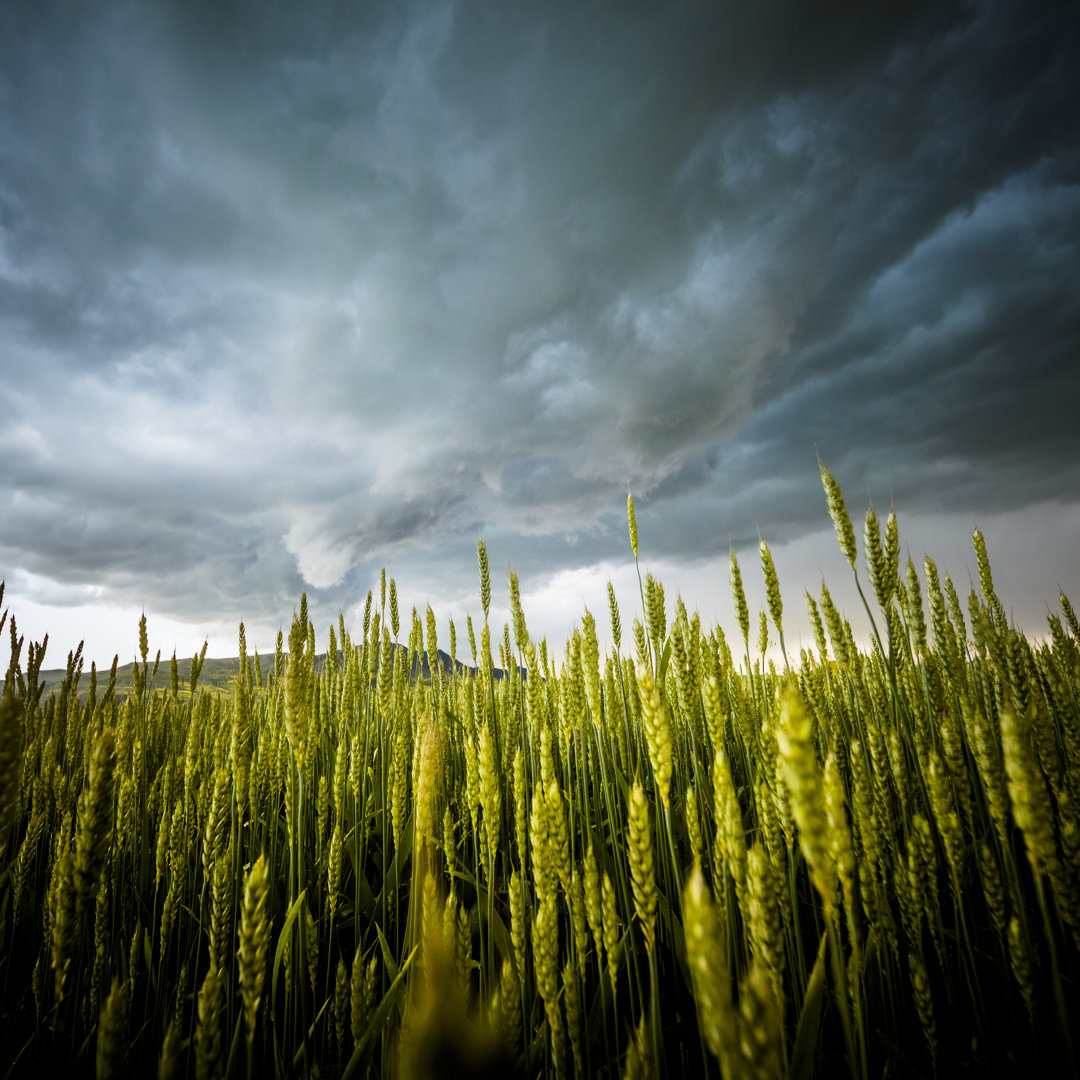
675	859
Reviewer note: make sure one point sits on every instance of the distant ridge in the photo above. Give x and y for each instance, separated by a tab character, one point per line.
217	674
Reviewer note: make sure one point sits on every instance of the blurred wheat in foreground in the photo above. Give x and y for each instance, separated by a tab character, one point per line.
672	861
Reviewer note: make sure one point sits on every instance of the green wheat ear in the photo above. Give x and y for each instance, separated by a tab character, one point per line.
742	612
772	587
642	873
112	1032
657	720
804	778
254	941
12	737
705	954
95	824
845	532
208	1033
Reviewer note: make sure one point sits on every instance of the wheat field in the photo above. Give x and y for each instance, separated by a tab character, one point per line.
674	859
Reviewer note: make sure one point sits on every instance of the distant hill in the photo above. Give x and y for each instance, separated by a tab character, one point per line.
217	674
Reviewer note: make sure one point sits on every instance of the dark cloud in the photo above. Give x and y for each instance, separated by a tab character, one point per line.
288	293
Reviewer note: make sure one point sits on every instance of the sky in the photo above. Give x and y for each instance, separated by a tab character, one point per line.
291	293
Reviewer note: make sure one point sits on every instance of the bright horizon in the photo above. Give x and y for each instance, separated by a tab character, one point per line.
551	612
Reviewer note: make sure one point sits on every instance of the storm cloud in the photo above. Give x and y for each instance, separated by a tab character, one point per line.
290	293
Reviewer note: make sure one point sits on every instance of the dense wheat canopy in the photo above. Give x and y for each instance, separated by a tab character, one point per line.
291	293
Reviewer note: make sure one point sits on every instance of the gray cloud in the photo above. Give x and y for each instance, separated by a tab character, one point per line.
286	295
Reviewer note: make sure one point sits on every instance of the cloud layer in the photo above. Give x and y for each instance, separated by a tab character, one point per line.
289	295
